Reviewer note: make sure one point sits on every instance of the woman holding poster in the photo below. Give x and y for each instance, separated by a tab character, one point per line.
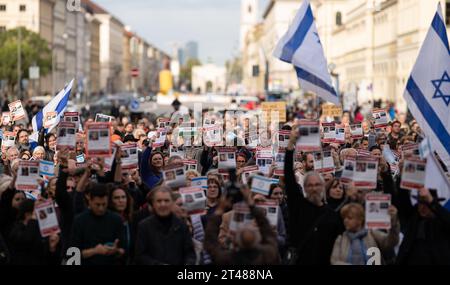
151	166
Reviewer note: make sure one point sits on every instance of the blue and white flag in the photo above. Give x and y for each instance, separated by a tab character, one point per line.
435	178
428	90
58	104
301	46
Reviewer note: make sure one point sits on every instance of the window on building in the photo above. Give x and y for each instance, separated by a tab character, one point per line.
23	8
2	7
447	12
338	19
2	29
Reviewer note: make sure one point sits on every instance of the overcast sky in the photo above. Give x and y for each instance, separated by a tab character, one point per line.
214	24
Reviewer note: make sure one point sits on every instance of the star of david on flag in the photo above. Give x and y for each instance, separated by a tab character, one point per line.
442	88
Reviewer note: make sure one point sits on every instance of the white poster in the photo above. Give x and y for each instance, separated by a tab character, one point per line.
66	138
377	216
227	157
194	200
247	172
225	174
174	175
241	217
50	119
160	138
28	175
340	135
324	162
380	118
6	118
365	175
279	158
110	159
309	139
329	132
163	123
271	211
129	156
356	131
283	138
212	135
264	164
200	182
349	169
73	117
176	151
9	139
102	118
261	185
410	151
46	216
98	140
16	111
414	173
190	164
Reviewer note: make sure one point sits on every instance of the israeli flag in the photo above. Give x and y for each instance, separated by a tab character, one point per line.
58	104
301	46
428	89
436	178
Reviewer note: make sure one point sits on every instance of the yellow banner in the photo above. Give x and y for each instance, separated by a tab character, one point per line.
280	107
331	111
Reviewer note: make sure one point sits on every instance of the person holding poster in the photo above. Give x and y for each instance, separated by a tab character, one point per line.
351	247
98	140
16	111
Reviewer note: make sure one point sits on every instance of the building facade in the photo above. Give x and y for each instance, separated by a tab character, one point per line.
208	78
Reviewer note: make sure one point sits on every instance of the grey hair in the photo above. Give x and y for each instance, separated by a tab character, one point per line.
311	174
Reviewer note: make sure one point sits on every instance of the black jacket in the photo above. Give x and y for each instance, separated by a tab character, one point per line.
313	229
426	240
154	247
4	252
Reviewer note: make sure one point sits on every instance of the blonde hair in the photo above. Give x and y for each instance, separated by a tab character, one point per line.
353	209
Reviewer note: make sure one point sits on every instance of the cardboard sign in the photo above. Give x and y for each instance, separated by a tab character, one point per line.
46	216
66	138
16	111
414	173
102	118
46	168
380	118
194	200
200	182
329	132
279	107
28	175
129	156
227	157
6	118
190	164
377	216
309	139
72	117
331	110
247	172
8	140
160	139
283	138
271	211
174	175
98	140
356	131
50	119
324	162
261	185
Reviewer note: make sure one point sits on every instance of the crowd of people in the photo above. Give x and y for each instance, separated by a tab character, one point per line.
134	217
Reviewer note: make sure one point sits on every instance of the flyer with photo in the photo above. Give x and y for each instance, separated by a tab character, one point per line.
163	123
270	208
28	175
227	157
363	152
174	175
129	156
410	151
283	138
200	182
110	159
356	131
46	168
261	185
349	169
278	172
160	139
329	132
324	162
340	135
309	139
50	119
377	215
176	151
16	111
8	140
279	158
190	164
365	174
102	118
6	118
413	175
194	200
98	140
241	217
264	164
212	135
66	138
73	117
225	174
47	219
248	171
380	118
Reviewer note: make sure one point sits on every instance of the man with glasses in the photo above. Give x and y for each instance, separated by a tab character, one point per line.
313	225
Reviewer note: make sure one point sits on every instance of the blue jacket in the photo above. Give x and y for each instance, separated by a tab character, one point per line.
148	176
